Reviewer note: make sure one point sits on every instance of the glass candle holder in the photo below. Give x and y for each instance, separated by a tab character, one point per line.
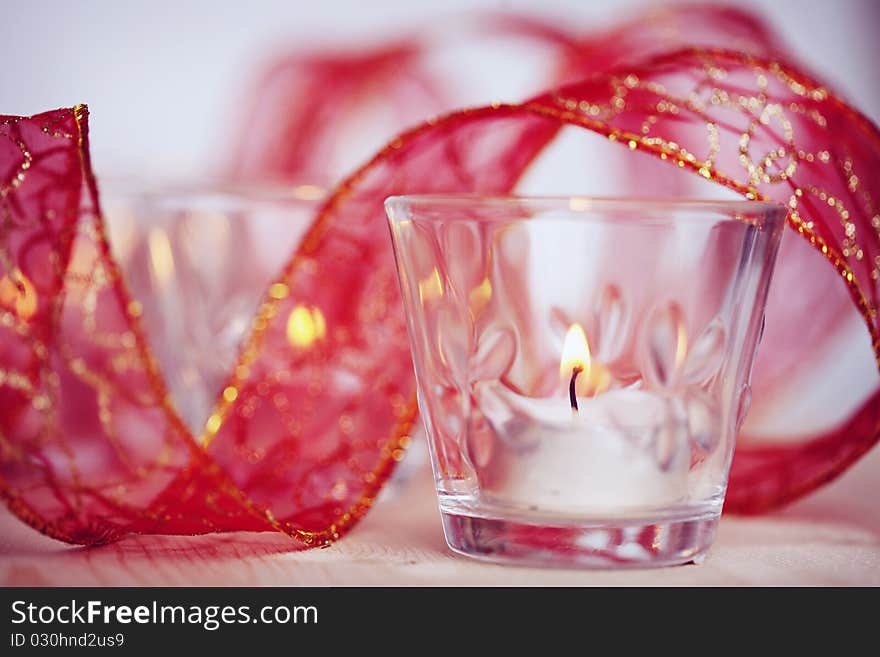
583	367
198	259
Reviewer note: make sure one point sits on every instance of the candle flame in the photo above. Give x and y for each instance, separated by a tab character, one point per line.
575	353
593	378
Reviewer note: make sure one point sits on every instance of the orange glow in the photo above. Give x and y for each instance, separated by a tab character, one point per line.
161	256
305	326
431	287
17	293
480	295
309	192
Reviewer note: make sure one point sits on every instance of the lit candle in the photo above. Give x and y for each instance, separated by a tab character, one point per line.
576	367
575	359
603	451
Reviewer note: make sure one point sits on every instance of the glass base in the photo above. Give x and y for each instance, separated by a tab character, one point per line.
627	543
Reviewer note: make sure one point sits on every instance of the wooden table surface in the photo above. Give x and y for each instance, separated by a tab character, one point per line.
830	538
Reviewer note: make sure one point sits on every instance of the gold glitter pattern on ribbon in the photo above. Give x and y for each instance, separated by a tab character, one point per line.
320	404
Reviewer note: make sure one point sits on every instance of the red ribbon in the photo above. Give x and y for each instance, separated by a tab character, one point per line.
91	448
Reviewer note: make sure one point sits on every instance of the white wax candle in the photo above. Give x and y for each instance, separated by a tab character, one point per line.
624	449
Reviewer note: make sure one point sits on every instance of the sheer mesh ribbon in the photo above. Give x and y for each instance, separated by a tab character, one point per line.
305	433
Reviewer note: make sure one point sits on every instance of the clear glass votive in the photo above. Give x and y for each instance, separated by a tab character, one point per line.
197	258
583	367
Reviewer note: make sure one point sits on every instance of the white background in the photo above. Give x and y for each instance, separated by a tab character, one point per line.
165	80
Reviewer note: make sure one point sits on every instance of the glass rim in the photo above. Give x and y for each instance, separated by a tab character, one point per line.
261	192
723	210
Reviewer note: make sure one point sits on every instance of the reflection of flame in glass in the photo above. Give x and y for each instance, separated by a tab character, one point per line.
681	343
18	294
480	296
305	326
161	256
579	204
308	192
431	287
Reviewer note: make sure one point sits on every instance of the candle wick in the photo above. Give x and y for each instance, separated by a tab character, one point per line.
572	396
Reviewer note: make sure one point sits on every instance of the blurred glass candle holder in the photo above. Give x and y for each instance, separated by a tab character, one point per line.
197	259
583	367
